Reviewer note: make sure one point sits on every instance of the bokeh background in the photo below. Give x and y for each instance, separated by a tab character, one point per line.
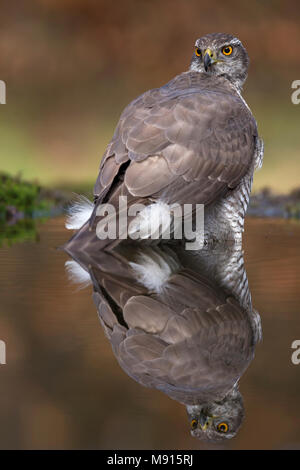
72	65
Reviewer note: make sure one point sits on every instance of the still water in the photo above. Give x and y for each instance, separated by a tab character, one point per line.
62	386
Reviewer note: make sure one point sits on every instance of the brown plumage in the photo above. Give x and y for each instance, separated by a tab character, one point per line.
192	342
186	327
183	324
191	140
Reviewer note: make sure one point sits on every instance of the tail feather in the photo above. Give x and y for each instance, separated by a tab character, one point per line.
79	213
77	274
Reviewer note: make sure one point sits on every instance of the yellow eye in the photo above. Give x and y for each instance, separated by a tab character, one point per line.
227	50
198	52
222	427
194	423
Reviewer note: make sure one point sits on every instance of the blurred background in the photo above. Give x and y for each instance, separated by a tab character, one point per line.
71	66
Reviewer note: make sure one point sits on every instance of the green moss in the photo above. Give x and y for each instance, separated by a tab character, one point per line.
21	231
27	199
23	196
21	203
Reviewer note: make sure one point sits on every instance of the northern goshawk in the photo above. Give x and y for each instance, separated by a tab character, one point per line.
182	323
194	140
178	321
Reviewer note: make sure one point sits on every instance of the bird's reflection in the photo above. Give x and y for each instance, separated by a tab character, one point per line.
181	322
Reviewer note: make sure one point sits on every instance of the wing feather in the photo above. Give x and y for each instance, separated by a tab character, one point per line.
195	134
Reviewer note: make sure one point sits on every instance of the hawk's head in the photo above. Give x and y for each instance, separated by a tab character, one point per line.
218	420
221	54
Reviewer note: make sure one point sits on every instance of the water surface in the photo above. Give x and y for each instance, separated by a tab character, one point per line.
63	388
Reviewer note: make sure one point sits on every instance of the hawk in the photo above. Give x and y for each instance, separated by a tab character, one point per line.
194	140
179	322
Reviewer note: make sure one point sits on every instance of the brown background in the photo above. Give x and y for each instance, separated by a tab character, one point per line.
71	67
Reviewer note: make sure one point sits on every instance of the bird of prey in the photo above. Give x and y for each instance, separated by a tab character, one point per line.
192	141
179	323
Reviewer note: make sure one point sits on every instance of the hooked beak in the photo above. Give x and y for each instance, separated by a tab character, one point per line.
204	420
209	58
